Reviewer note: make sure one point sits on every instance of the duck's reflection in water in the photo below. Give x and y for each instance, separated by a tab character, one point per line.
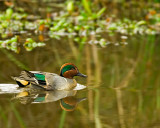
68	100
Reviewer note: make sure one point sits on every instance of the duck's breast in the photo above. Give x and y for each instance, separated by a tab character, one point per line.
62	83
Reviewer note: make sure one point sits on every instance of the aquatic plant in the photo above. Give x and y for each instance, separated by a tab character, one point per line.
80	20
14	44
30	44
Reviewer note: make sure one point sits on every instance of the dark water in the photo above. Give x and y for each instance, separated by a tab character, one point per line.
122	87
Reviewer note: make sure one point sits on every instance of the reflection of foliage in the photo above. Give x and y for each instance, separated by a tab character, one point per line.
10	44
130	27
153	19
13	44
30	44
81	20
11	22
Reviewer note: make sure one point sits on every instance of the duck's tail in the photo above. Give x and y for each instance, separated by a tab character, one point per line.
25	79
20	82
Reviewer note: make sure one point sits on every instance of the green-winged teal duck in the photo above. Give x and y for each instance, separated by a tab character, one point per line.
50	81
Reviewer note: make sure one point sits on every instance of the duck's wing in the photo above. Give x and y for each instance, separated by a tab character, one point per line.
45	79
31	77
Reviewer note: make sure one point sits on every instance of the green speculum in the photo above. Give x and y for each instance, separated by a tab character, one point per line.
40	76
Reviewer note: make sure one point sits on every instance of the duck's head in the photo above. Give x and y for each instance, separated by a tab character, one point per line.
69	70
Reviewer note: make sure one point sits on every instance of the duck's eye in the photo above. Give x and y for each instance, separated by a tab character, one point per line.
72	68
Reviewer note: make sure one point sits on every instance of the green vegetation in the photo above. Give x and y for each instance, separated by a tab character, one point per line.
13	44
82	20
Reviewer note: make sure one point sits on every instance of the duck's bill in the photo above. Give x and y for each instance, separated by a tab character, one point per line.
82	75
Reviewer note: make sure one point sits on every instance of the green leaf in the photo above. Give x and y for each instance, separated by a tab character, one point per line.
86	5
70	6
29	40
101	12
142	22
9	13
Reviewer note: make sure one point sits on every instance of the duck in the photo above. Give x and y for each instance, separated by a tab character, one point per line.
50	81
